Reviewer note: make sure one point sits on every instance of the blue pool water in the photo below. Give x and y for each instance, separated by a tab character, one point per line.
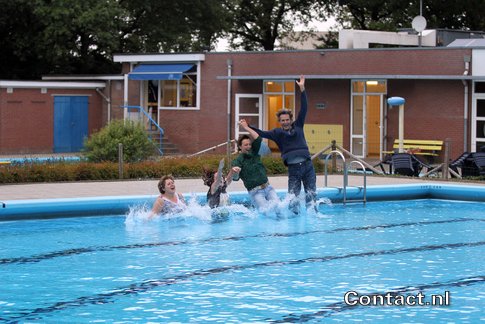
251	268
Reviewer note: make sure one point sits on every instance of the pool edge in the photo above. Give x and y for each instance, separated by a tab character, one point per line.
116	205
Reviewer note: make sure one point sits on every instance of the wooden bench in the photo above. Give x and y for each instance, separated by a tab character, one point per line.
419	147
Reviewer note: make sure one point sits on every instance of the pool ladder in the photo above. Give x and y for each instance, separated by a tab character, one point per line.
346	179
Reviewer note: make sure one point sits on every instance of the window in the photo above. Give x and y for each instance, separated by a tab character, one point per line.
174	94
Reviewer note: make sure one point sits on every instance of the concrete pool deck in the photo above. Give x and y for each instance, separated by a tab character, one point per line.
149	187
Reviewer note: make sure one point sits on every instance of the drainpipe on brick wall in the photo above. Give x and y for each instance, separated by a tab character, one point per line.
229	121
465	105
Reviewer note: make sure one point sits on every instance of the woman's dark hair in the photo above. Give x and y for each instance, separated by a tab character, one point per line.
161	183
208	176
242	138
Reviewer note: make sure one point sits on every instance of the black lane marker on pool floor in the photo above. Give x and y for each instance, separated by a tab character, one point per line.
147	285
65	253
339	307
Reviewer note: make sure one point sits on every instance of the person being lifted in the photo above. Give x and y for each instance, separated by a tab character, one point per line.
251	170
291	141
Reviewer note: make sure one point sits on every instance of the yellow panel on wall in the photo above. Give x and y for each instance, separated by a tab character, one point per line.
319	136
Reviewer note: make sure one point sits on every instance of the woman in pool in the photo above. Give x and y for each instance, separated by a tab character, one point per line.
217	183
169	200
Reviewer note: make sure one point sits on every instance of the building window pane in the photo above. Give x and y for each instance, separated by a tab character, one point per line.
357	115
273	86
289	102
188	92
289	86
479	87
481	146
376	86
480	107
481	128
357	146
169	93
358	86
153	93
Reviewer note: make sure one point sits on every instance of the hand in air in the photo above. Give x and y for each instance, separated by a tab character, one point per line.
301	83
243	123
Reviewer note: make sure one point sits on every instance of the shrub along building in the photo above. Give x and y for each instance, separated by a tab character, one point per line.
197	98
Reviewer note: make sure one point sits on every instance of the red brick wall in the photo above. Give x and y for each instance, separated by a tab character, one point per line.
429	102
433	111
116	100
26	118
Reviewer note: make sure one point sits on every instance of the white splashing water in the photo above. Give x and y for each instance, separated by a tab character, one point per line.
139	215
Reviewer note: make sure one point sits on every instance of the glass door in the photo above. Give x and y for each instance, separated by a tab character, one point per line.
277	95
478	117
367	118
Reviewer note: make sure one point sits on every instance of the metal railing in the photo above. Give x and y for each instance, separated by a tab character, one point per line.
346	178
151	122
212	148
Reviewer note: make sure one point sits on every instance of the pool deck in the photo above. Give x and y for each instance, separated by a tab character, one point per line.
149	187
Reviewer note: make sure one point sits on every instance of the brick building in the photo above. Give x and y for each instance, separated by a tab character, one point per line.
197	98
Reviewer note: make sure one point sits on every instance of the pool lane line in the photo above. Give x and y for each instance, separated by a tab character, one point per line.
77	251
136	288
338	307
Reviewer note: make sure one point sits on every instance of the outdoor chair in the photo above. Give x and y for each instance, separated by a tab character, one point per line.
403	164
471	164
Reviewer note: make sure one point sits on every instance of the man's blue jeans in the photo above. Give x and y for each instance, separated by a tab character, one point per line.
261	198
299	173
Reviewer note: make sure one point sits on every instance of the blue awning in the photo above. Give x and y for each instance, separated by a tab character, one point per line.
159	71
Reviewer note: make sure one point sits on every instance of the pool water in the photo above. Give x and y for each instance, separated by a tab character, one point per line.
248	269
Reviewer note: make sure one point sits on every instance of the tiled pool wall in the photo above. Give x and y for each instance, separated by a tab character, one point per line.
117	205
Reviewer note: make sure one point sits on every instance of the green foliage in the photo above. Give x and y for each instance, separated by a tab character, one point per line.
103	145
175	26
274	165
389	15
257	24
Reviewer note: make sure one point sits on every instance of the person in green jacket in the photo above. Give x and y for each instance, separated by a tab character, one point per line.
251	169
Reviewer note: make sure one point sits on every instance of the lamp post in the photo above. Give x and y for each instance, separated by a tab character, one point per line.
398	101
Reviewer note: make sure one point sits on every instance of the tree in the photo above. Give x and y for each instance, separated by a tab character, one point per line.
173	26
79	36
58	36
257	24
18	48
390	15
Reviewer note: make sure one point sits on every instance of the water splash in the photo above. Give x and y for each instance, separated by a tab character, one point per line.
195	212
198	213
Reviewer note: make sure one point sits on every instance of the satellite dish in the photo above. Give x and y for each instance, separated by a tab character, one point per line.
419	23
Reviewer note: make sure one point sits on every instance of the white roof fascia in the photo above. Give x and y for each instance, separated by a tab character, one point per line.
348	76
83	77
51	85
135	58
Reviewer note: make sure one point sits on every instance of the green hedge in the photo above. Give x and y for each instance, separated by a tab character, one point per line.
181	167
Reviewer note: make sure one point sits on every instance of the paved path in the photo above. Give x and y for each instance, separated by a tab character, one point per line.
149	187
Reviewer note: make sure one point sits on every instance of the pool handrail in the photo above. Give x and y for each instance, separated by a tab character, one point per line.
346	177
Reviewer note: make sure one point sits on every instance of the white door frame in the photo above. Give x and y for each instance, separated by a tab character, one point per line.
474	120
238	115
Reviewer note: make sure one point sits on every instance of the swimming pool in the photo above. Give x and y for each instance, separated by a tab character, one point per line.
249	269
